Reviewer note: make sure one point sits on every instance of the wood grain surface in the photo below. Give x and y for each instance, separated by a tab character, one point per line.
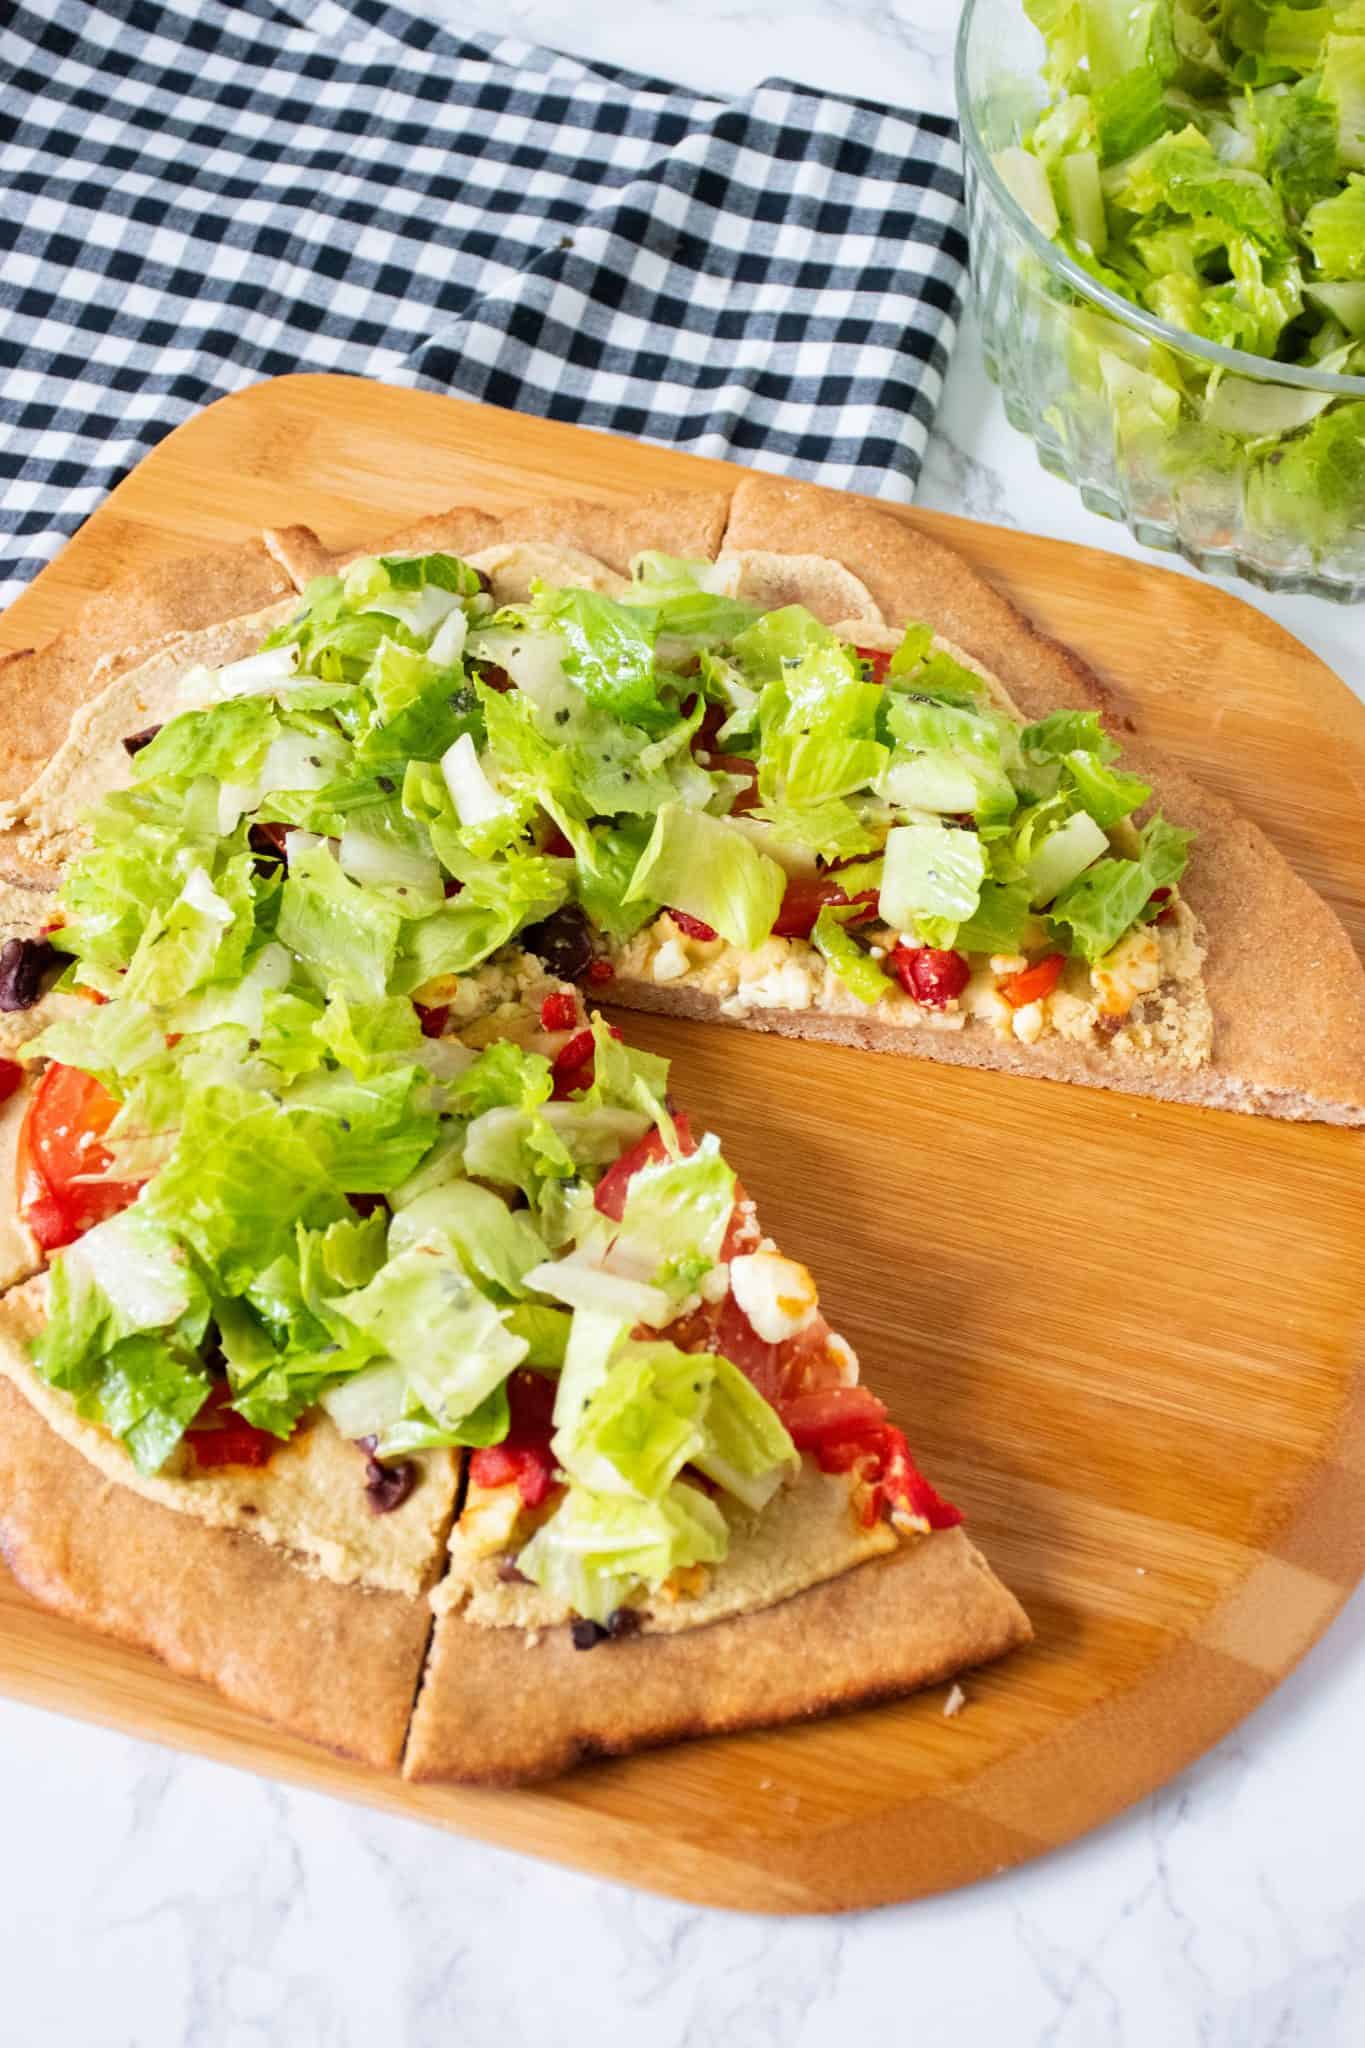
1127	1338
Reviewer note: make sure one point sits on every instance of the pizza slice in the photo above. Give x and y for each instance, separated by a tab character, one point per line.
303	1246
705	1496
780	761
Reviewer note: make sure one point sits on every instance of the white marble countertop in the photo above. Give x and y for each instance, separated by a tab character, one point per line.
156	1901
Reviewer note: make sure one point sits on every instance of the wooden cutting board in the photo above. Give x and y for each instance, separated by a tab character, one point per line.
1126	1338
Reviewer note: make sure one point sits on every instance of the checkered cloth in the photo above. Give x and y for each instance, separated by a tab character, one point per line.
195	195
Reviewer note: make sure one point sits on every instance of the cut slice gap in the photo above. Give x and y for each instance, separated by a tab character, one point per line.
498	1707
337	1665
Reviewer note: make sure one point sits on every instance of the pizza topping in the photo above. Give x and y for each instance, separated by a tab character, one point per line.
270	844
62	1158
806	896
876	661
218	1436
1131	970
523	1457
564	942
931	974
1033	984
609	1196
387	1486
847	1430
692	927
25	966
558	1012
776	1294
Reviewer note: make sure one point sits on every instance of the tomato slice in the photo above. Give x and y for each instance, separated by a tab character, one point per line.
902	1484
847	1430
59	1145
833	1414
524	1455
1031	984
220	1436
807	895
610	1196
11	1079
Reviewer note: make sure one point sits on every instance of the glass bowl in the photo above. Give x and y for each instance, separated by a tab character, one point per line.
1075	365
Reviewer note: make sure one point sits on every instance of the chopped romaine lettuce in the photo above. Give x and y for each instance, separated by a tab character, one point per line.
596	1550
702	865
932	880
858	972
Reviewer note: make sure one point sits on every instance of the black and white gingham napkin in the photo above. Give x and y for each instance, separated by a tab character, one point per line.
195	195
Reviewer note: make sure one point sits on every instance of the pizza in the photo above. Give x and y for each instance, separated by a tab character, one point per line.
378	1326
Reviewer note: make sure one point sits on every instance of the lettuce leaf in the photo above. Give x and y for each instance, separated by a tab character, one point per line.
702	865
424	1313
1092	913
344	938
932	880
856	969
609	652
596	1550
674	1220
497	1246
1335	230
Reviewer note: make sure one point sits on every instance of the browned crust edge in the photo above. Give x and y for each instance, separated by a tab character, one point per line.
689	523
1288	1045
335	1664
496	1710
117	629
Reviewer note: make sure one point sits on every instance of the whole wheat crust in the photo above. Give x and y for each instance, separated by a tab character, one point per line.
494	1711
336	1664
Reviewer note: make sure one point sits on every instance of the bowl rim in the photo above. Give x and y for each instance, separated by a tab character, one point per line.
1236	361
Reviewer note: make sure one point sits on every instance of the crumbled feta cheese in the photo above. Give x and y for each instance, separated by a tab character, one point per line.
1131	969
790	984
671	961
776	1294
1008	963
1028	1023
715	1285
992	1009
845	1357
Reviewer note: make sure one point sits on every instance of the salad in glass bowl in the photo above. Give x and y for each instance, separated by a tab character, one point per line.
1167	201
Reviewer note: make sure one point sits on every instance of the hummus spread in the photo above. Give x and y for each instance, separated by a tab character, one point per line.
308	1499
807	1533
